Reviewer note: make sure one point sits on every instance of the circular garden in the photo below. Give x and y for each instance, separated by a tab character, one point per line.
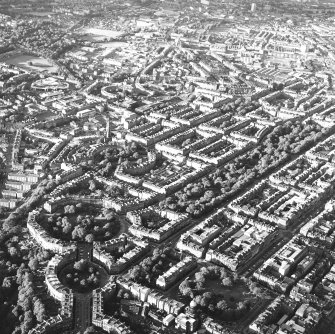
83	276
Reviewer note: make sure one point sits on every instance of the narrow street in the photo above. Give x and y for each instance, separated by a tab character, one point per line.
84	251
82	311
82	301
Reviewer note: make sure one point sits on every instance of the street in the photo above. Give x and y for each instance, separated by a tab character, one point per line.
82	311
82	301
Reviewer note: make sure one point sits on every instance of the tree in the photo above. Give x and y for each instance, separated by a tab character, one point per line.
83	282
257	291
92	185
209	194
20	274
185	288
39	310
110	216
67	228
241	305
207	297
190	209
33	264
13	251
90	330
222	305
69	209
78	233
27	322
135	273
89	238
223	273
227	281
43	255
7	283
200	280
80	265
72	209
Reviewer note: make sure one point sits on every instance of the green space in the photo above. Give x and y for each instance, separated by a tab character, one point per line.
32	63
279	146
219	293
81	223
148	270
83	276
